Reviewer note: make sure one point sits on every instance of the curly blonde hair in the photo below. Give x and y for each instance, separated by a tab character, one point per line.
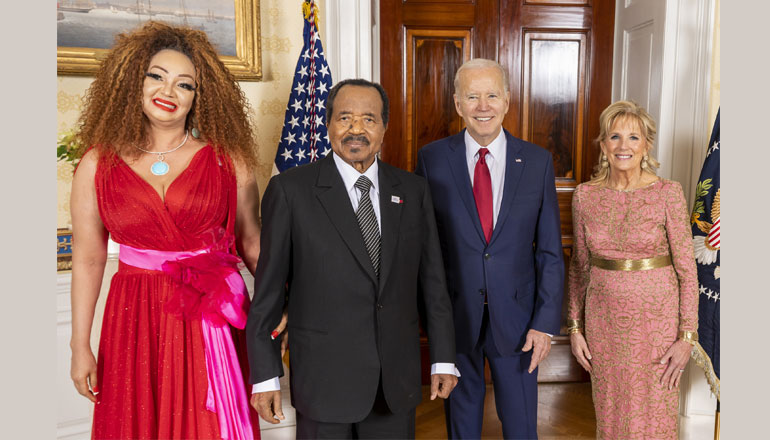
113	121
630	111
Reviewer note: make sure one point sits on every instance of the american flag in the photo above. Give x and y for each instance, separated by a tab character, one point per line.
706	226
304	138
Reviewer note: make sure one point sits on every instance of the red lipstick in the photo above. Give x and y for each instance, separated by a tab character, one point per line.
165	105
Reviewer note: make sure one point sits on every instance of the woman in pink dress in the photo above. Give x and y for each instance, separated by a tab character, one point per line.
633	300
168	177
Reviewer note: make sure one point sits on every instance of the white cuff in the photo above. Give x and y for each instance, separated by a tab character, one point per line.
268	385
444	368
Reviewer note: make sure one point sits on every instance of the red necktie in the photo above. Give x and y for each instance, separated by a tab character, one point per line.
482	192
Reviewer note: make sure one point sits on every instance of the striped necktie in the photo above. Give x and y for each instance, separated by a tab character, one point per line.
368	223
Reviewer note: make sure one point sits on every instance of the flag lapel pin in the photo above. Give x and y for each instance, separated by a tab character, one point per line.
396	199
518	160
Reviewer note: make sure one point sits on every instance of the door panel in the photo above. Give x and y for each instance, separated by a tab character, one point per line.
553	96
430	109
636	82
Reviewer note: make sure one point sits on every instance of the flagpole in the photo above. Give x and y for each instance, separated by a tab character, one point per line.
716	423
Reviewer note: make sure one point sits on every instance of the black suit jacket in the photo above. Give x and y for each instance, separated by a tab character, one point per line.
345	326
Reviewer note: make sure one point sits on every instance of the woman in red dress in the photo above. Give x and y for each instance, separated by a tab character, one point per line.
167	176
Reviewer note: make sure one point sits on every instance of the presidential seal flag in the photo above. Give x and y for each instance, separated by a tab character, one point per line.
304	138
706	240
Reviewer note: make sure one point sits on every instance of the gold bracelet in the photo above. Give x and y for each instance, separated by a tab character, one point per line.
689	337
573	326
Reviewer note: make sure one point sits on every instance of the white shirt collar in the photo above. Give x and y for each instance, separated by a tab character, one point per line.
496	147
350	175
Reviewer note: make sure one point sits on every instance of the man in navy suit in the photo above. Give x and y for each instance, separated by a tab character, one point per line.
498	220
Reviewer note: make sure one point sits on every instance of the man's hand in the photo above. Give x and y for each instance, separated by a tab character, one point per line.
441	385
268	405
542	344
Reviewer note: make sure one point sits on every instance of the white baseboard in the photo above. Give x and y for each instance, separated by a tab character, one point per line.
76	429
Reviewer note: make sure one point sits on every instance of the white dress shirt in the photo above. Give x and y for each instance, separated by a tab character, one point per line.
495	163
350	176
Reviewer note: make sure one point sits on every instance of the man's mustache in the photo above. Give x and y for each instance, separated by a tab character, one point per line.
355	138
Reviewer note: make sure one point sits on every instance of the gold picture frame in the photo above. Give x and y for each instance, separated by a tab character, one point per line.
246	65
63	249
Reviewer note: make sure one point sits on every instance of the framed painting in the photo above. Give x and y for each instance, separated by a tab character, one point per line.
86	29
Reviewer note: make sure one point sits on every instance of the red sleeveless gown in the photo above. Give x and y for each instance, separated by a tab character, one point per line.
151	364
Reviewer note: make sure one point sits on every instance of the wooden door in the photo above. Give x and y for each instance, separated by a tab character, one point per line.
558	54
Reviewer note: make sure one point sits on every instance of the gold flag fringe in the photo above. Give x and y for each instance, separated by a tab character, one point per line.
702	360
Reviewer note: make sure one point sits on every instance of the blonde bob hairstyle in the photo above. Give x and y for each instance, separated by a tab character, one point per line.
624	111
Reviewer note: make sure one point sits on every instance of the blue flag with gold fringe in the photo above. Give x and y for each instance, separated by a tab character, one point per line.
304	138
705	222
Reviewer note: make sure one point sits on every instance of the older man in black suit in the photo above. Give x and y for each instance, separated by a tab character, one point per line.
355	241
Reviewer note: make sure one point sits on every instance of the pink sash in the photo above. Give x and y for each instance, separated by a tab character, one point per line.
211	288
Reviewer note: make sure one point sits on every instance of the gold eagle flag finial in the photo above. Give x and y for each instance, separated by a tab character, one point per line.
308	8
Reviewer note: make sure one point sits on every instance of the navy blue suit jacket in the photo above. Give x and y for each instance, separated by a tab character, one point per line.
521	269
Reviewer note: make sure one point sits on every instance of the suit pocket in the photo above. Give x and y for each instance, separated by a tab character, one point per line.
305	330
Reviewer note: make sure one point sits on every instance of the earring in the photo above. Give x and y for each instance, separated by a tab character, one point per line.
603	161
194	130
645	162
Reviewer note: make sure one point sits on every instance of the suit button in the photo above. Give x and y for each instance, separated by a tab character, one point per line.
487	256
482	292
379	306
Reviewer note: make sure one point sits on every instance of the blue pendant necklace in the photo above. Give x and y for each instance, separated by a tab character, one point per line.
160	167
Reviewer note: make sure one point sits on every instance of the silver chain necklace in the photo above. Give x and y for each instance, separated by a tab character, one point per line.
159	167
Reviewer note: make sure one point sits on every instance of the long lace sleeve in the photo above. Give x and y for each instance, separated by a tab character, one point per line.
682	255
578	268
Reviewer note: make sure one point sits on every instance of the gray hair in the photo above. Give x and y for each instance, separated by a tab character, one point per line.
481	63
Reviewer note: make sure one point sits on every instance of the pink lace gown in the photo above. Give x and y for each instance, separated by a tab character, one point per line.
632	317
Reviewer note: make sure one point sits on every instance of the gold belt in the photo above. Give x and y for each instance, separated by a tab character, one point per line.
642	264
